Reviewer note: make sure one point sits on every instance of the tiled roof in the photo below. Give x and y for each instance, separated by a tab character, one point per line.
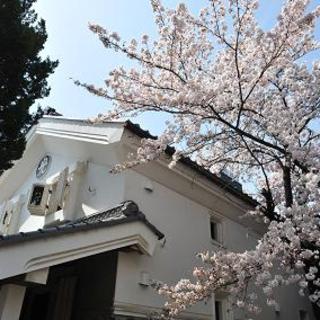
127	211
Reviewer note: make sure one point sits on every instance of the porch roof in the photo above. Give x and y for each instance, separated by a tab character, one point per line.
125	224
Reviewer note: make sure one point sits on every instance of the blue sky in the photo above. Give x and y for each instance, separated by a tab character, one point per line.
83	57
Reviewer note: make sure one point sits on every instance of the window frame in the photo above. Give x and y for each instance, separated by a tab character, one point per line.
218	221
40	209
6	217
218	310
221	306
303	314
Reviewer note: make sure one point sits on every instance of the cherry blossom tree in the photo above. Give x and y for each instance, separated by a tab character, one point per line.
242	99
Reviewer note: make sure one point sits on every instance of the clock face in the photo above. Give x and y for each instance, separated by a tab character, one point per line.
43	166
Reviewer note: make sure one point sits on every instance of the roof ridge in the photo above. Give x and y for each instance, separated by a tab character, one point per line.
129	208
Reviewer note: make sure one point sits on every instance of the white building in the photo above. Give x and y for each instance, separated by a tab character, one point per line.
80	243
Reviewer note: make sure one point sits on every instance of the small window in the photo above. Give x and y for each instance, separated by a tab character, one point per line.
303	315
5	218
37	195
215	230
218	310
9	216
38	199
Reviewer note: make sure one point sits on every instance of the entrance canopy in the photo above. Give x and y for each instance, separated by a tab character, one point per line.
119	227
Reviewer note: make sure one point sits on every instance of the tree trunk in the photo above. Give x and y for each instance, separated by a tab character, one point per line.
287	185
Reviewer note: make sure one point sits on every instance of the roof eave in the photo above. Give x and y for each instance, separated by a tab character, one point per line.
136	129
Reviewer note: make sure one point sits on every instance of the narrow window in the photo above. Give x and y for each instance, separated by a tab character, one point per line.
38	199
5	218
5	221
215	230
37	194
218	310
303	315
9	216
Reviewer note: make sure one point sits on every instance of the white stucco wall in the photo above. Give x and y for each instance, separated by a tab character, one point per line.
185	224
99	188
28	222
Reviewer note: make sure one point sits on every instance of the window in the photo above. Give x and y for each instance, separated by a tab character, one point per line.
303	315
215	229
5	218
37	194
10	211
48	198
38	199
218	310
